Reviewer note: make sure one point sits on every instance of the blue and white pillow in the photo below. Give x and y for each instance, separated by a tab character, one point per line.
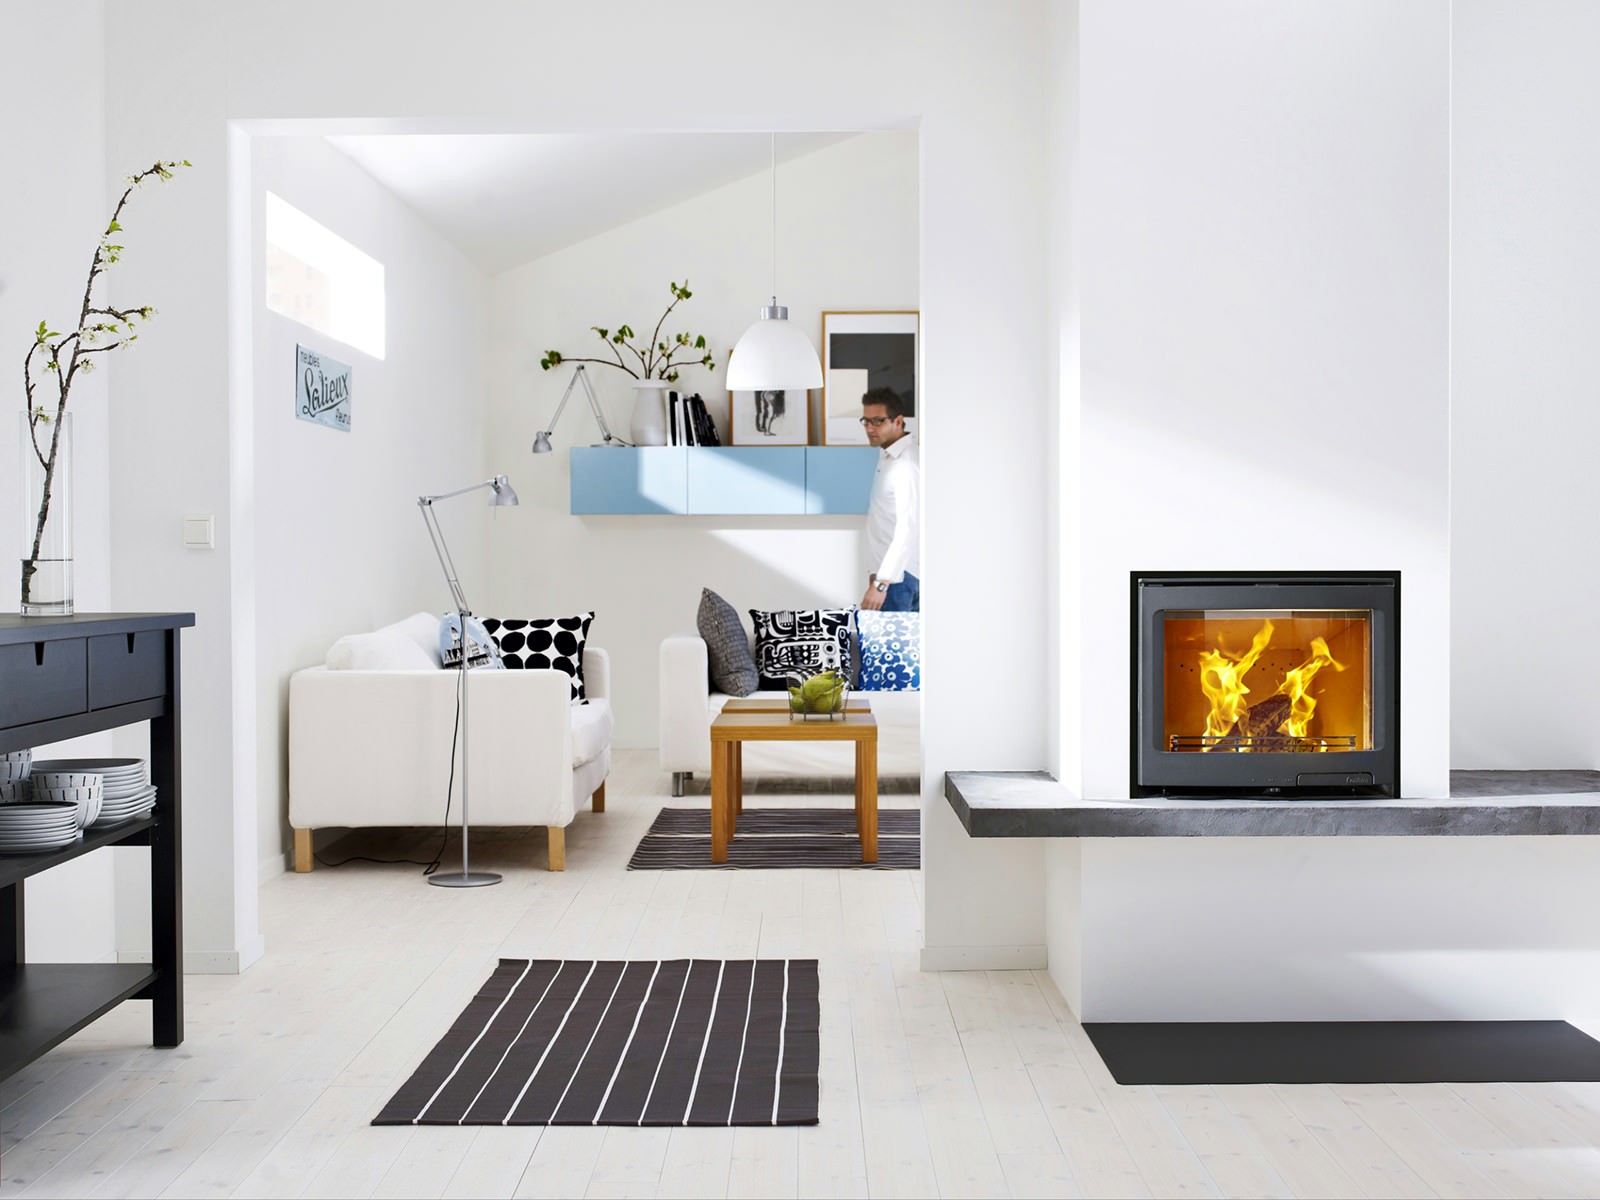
483	650
891	651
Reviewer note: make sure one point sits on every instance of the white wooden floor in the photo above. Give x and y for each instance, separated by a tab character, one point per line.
960	1084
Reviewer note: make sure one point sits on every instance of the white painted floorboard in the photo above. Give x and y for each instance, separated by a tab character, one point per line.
969	1084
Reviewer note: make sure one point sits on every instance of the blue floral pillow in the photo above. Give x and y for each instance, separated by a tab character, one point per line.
891	651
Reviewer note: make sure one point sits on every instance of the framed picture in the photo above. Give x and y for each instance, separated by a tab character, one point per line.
862	351
769	418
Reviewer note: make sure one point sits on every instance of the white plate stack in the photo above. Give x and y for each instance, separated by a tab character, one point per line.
37	827
126	792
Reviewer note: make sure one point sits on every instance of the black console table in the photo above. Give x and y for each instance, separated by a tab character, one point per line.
61	677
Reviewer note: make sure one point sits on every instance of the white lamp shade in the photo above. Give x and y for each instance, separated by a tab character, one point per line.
773	355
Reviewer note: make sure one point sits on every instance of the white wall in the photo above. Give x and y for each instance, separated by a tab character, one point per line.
973	83
1339	929
1263	209
847	228
339	544
55	210
1525	251
1264	213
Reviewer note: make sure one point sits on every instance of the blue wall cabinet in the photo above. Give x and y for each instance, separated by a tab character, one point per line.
629	479
767	480
723	480
839	478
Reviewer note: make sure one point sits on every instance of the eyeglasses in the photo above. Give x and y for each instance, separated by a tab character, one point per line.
875	421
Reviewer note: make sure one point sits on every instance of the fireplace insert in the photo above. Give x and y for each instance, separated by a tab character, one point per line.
1279	685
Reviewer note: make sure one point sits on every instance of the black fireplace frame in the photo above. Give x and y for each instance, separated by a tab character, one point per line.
1155	771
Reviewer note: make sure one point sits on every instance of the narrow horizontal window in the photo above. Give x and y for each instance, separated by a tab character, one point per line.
317	278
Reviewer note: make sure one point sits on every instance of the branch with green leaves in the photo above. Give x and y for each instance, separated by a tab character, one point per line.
659	359
101	328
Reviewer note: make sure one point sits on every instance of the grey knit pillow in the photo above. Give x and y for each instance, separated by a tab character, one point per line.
732	669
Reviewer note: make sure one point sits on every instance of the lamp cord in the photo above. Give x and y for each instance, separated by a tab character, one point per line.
428	868
774	217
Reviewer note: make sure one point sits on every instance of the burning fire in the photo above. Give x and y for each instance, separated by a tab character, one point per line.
1222	680
1297	686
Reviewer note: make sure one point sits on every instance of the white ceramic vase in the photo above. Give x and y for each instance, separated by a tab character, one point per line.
649	426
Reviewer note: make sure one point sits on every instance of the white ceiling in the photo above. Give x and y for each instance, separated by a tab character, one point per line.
506	199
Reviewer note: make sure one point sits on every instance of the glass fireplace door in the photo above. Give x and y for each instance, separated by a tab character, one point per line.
1267	681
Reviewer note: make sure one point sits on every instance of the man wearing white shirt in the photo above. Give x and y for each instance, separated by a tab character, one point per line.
894	517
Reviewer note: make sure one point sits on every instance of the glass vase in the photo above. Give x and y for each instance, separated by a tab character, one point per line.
46	516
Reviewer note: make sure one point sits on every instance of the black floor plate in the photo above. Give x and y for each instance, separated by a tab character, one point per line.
1346	1052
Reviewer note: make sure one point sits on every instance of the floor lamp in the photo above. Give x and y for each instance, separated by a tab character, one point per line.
500	494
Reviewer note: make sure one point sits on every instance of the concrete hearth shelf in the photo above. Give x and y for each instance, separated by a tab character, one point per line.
1022	804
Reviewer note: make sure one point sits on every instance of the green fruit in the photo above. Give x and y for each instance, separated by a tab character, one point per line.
797	702
817	686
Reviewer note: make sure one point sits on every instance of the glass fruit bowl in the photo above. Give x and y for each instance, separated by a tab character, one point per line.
826	694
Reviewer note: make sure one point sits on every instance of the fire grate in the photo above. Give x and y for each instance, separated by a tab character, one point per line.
1203	743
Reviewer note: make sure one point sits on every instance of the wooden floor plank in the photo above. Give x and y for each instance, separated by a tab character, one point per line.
1364	1156
1437	1163
1233	1161
1295	1153
696	1165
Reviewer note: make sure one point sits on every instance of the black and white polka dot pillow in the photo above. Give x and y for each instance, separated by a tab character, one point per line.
551	644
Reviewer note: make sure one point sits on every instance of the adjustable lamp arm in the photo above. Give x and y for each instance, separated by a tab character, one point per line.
503	494
457	597
541	441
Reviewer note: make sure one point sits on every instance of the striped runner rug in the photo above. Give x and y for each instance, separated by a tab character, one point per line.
673	1042
777	838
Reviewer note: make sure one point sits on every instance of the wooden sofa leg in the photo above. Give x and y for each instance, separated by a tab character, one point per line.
303	862
597	802
558	848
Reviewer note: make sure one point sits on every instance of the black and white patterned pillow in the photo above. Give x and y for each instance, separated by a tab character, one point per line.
553	643
793	646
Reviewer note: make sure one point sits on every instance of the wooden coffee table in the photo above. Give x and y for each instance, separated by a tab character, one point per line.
768	721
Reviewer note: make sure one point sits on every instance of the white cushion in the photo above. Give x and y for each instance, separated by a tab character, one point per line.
423	629
591	730
383	650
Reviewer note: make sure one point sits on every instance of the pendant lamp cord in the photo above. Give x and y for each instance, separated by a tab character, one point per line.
774	136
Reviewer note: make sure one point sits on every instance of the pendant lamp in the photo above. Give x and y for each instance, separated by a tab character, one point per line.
774	355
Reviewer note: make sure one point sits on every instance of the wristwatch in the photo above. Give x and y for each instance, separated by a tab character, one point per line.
880	585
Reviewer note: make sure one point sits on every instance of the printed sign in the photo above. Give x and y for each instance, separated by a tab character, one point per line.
321	389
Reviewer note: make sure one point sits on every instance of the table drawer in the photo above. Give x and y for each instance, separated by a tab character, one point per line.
43	680
124	667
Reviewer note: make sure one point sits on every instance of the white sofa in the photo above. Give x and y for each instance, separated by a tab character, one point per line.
688	706
371	747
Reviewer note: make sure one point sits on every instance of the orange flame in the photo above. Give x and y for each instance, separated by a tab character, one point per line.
1297	686
1222	680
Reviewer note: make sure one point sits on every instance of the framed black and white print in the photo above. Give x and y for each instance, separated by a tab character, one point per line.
769	418
862	351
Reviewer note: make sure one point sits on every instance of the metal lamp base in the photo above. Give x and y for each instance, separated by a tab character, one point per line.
464	879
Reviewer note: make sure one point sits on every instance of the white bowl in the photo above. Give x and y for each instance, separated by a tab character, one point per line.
88	810
18	756
68	795
67	779
13	772
15	792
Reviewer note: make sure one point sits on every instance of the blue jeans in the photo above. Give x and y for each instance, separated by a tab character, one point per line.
905	596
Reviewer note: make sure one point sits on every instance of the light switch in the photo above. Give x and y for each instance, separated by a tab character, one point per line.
199	533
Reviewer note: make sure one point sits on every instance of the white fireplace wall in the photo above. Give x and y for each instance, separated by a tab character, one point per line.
1263	209
1525	257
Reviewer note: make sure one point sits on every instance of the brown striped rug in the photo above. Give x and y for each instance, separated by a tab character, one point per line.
674	1042
778	838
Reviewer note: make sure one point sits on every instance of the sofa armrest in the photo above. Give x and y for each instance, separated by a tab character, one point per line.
373	747
685	708
596	673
